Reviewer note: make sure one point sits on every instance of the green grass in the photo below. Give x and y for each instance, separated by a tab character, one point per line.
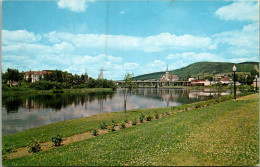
33	91
226	133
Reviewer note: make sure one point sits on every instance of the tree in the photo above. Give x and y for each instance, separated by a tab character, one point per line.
13	75
128	87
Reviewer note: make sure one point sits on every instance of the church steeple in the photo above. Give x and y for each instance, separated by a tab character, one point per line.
167	73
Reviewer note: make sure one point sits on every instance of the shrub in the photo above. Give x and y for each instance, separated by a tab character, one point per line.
103	125
141	118
57	140
126	121
114	122
112	129
122	126
149	118
34	146
4	157
57	91
134	121
5	88
45	85
157	116
94	132
197	105
7	149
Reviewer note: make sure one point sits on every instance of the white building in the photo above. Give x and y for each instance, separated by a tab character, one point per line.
168	77
35	75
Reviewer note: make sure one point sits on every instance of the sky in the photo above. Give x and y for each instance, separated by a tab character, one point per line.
126	36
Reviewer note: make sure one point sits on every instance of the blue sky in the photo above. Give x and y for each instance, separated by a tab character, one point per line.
126	36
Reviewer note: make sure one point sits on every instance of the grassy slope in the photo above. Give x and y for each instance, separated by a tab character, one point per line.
223	134
204	68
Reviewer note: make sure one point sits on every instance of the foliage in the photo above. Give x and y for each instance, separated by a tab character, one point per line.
57	140
141	118
57	91
134	121
114	122
218	84
103	125
56	79
95	132
45	85
122	125
128	87
126	121
197	105
34	146
6	149
149	118
12	75
157	116
112	128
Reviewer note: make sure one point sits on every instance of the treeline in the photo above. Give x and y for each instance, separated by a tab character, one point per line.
13	79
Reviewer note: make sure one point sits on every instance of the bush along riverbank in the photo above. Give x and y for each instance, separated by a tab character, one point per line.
19	91
49	87
95	125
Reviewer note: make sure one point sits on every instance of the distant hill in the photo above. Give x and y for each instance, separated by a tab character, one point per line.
203	69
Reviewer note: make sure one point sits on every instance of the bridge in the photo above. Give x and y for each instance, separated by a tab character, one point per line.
157	84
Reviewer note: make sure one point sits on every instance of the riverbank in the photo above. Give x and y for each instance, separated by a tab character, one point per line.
33	91
80	126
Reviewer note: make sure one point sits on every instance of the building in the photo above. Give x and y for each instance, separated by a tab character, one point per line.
201	82
254	83
191	79
36	75
226	81
168	77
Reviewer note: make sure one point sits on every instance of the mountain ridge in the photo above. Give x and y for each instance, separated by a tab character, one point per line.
204	68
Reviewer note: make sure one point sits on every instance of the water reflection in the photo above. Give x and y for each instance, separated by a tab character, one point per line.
28	111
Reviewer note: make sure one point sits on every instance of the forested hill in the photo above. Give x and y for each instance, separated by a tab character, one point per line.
203	69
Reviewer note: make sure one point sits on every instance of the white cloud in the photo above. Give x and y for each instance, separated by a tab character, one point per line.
154	43
73	5
171	41
243	43
37	48
241	11
193	56
63	46
27	48
19	36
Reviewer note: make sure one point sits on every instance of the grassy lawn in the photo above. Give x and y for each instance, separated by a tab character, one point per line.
226	133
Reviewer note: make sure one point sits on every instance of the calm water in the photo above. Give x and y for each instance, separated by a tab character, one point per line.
28	111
